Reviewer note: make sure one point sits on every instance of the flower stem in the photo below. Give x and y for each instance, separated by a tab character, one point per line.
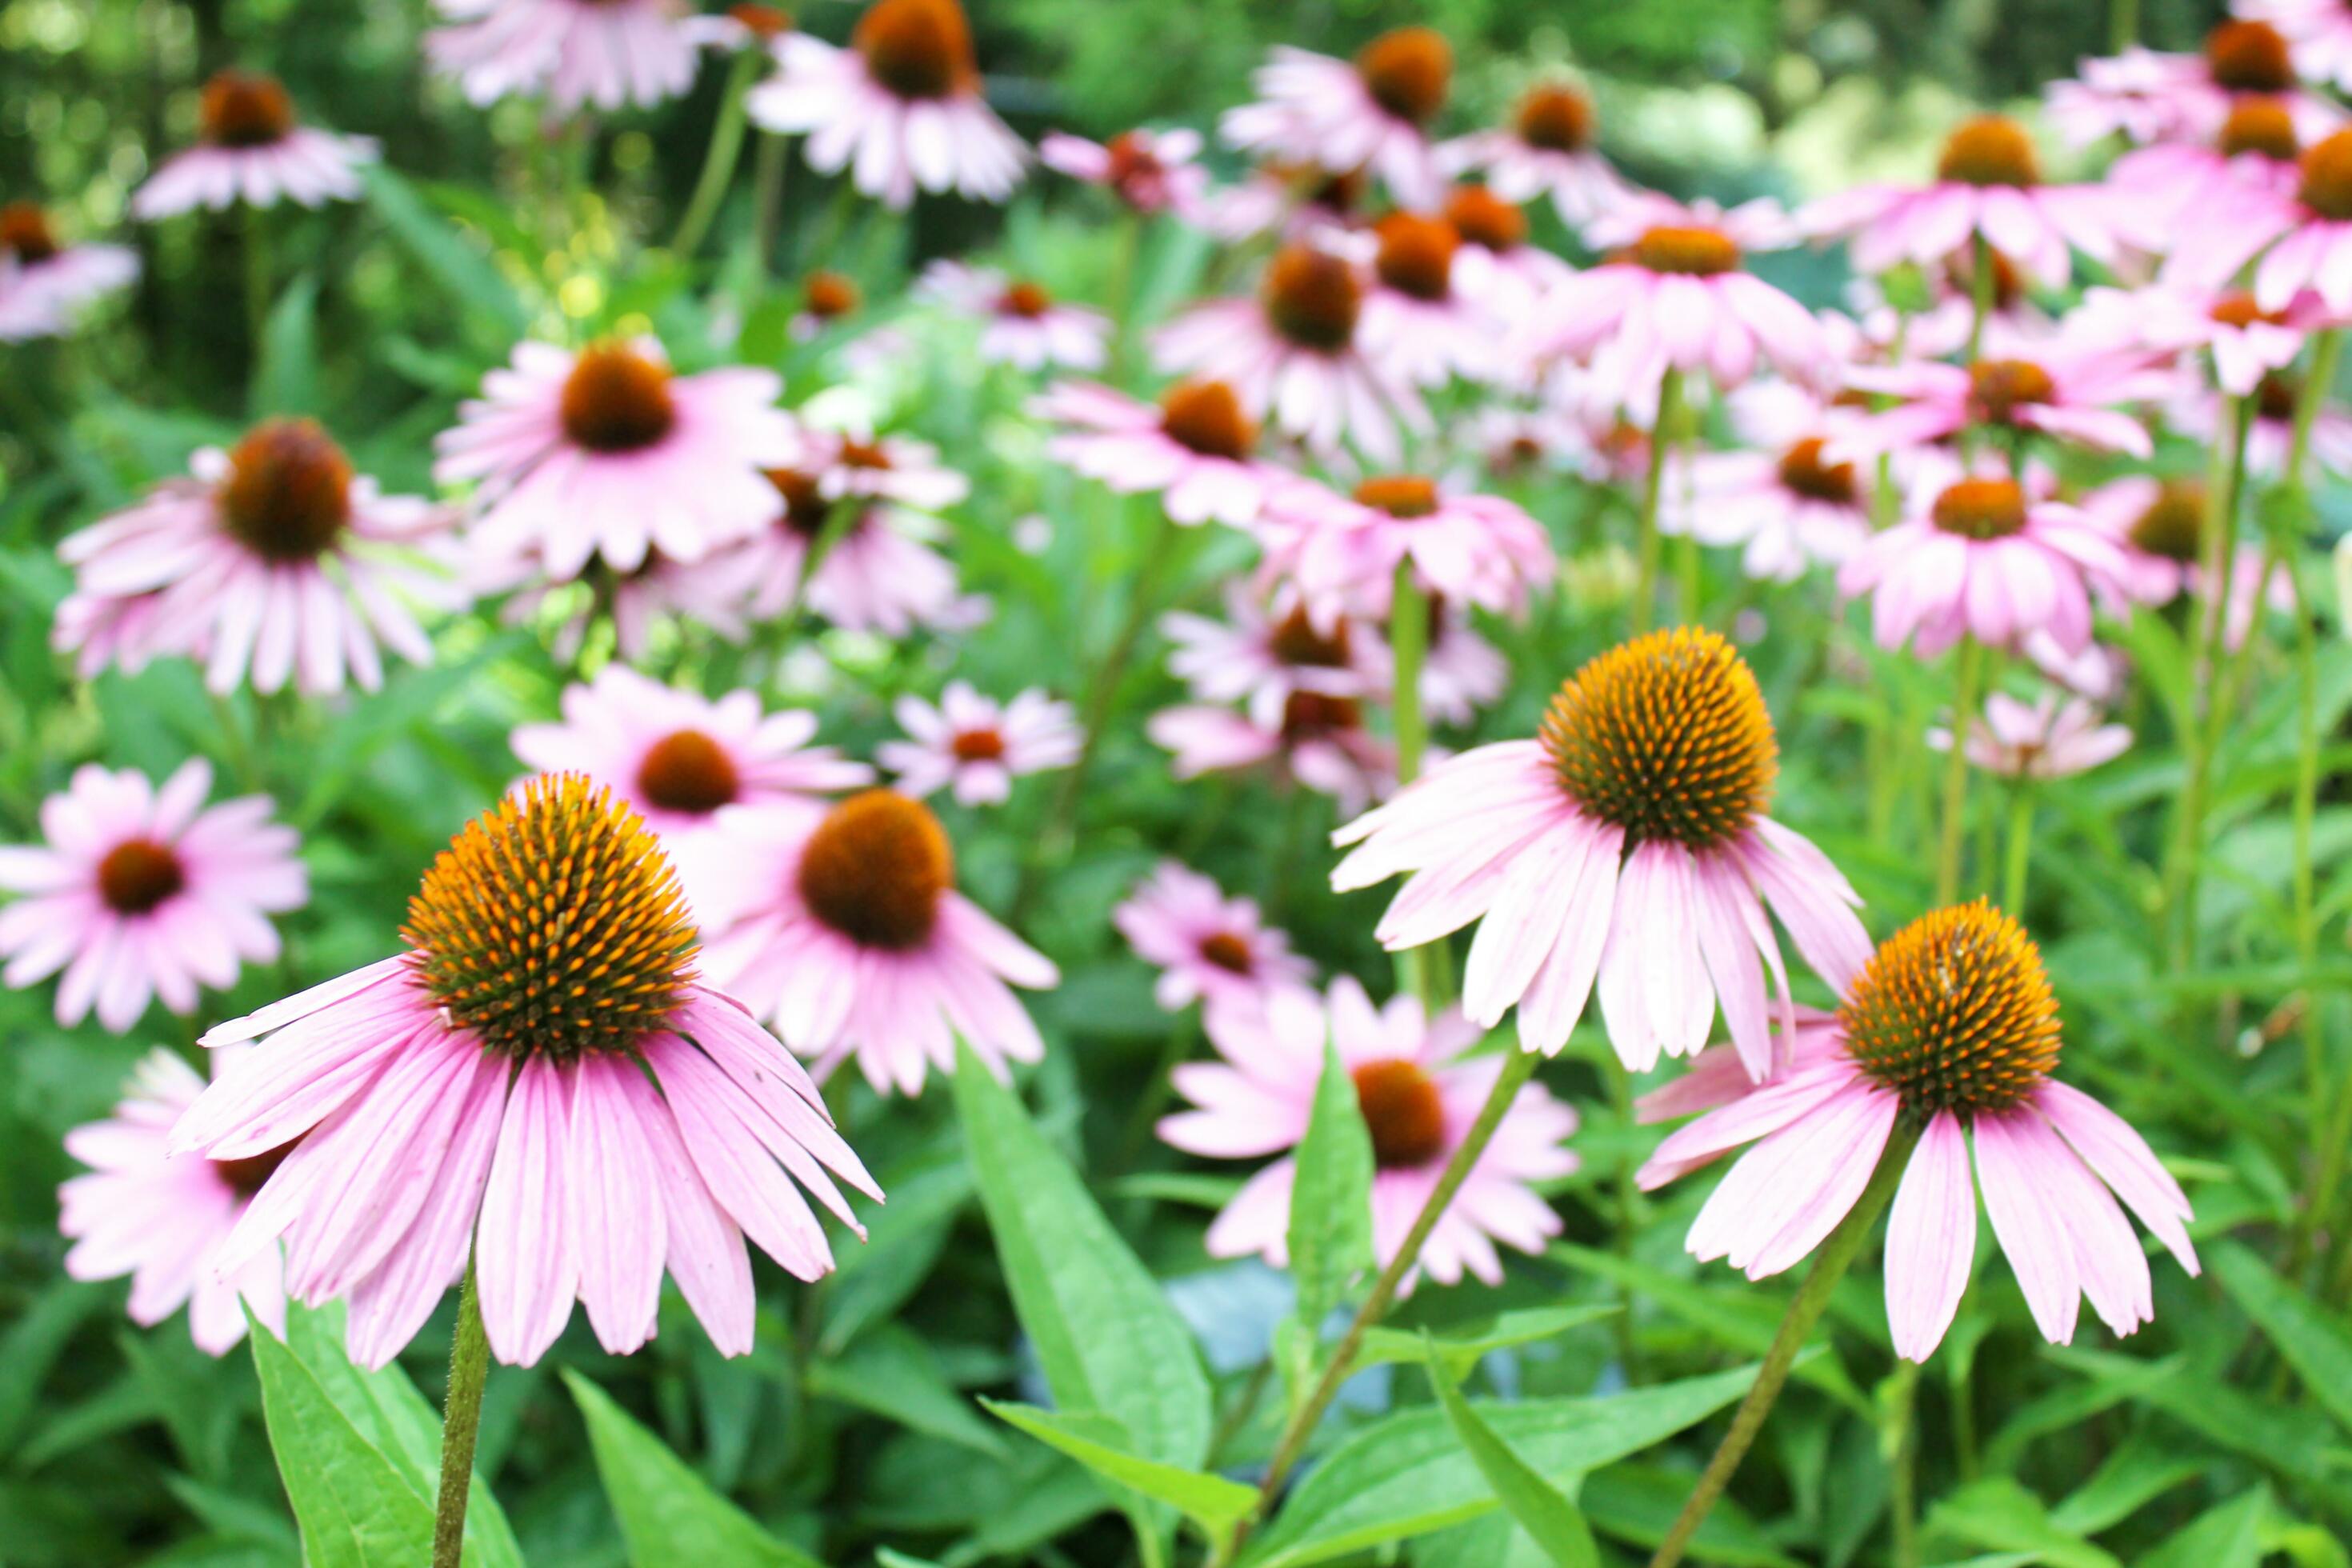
1518	1067
1408	641
2209	725
256	287
1983	293
1830	1264
1967	679
2020	847
718	163
1645	589
461	1422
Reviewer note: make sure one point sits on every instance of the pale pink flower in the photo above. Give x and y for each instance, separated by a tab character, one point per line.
975	745
677	758
1295	352
1776	496
1209	949
658	592
900	107
1515	443
1319	741
2162	193
2159	525
1421	323
1195	449
1496	269
2098	672
162	1218
2318	33
605	53
605	453
2137	95
2067	388
1989	183
1628	845
45	285
1951	1023
250	149
1672	295
879	573
1296	200
1461	671
748	25
2202	415
1373	112
1343	551
2246	341
1020	324
2297	239
572	1141
1419	1093
1258	657
140	892
846	931
1148	171
1547	150
272	563
855	463
2042	740
2153	98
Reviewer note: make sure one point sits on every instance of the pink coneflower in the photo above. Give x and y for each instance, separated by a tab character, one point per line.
1494	267
1295	352
1259	658
2246	341
2066	388
878	573
1982	555
900	107
2098	672
1209	949
1343	551
1373	112
1549	149
847	930
827	299
1951	1034
161	1219
1419	1093
2152	98
1672	295
1628	842
1148	171
605	453
1420	324
677	758
272	563
2041	740
572	1139
1296	199
141	892
2202	415
2303	236
1319	741
2159	526
1195	449
1022	325
976	745
1461	671
2160	191
250	149
1515	443
2318	33
607	53
658	592
1988	184
859	465
2136	95
748	25
44	283
1777	495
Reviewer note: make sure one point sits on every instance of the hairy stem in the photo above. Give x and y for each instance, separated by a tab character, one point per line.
1645	589
461	1422
1967	680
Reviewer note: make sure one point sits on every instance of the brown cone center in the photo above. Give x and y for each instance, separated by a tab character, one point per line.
876	869
1405	495
1312	297
138	874
916	48
1483	218
1997	388
687	772
1227	951
1404	1112
2173	526
1803	471
287	493
2326	187
1407	71
1981	508
1555	118
25	233
1991	149
2262	126
1954	1013
1416	255
616	400
244	109
1688	250
2249	56
1205	417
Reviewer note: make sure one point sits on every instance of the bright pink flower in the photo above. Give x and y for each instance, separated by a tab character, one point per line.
1950	1026
607	53
1989	183
250	149
1296	200
605	454
1982	555
2298	238
2042	740
44	285
141	892
2246	341
1371	113
2162	193
1776	495
878	573
677	758
2318	33
847	930
2137	95
1209	949
1423	322
1150	171
1023	326
2153	98
1259	658
2066	388
1319	741
978	745
900	107
1295	352
1418	1092
1629	845
273	562
1194	449
1672	295
162	1218
573	1142
1343	551
1547	150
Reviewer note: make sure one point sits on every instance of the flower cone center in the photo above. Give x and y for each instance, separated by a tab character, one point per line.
2259	125
2327	177
25	233
1296	641
1687	249
553	924
1204	416
1954	1013
686	771
1803	471
2173	526
138	875
1981	508
1404	1112
1312	297
1402	496
244	109
2276	396
916	48
1483	218
762	21
1311	716
804	504
2249	56
1227	951
1555	118
244	1176
1416	255
2000	387
616	400
977	746
1990	150
829	295
287	493
876	869
1407	71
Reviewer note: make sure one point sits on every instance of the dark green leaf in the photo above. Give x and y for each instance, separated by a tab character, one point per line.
1548	1518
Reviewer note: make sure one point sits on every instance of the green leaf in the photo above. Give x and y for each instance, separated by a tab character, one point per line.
2230	1536
466	272
895	1374
1331	1197
1211	1501
1465	1347
1998	1514
285	378
1104	1332
355	1508
1638	1503
2314	1343
1405	1475
669	1518
1539	1505
2126	1481
33	1344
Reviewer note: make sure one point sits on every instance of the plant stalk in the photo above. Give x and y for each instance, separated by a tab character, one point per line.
1967	680
1646	590
718	163
461	1422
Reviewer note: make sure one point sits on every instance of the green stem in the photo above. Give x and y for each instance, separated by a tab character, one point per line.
2122	25
1646	590
770	162
718	163
1409	638
461	1422
1830	1264
1518	1067
257	287
1902	1502
1967	681
838	519
2021	850
1983	290
2209	725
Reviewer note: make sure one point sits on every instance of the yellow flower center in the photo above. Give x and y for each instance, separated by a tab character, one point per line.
1990	150
1954	1013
